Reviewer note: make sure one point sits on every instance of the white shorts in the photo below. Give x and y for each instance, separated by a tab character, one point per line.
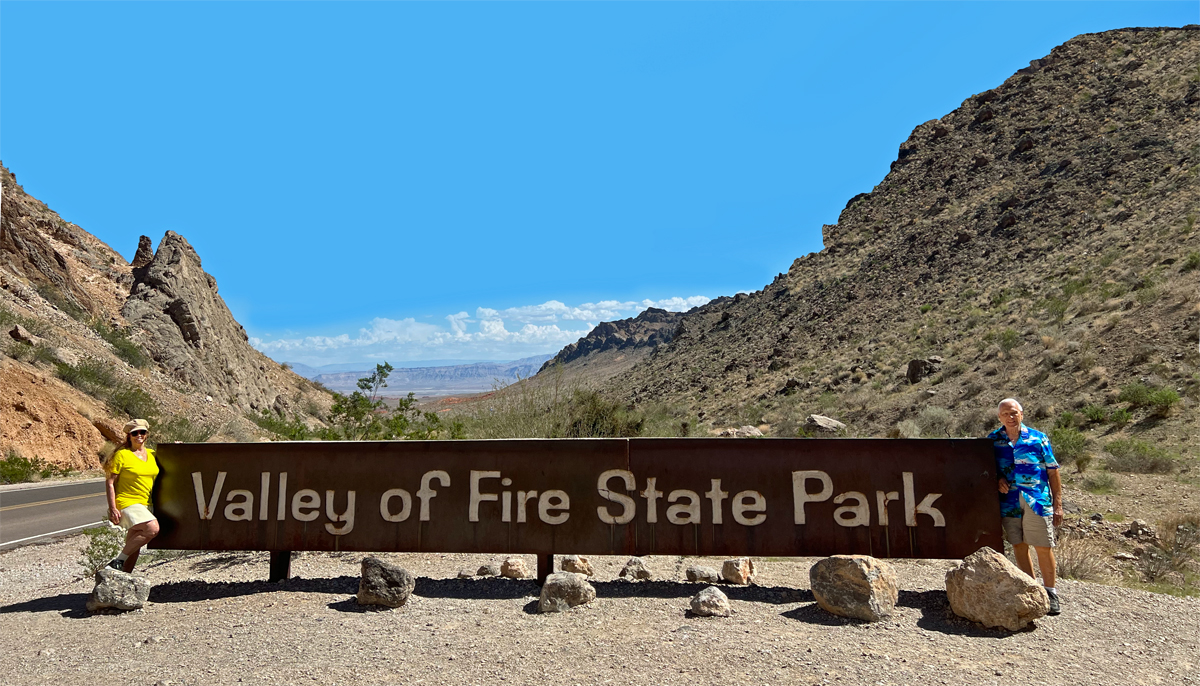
136	514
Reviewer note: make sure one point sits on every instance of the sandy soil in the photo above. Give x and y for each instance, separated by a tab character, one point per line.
214	619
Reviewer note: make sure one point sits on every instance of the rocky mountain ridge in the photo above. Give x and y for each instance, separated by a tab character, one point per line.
104	338
1041	239
459	378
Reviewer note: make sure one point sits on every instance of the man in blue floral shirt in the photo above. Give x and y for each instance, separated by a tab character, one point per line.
1031	493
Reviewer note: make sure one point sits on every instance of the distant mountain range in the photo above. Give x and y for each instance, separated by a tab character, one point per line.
429	380
312	373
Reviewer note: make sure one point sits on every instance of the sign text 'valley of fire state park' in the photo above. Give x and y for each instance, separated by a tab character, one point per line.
641	496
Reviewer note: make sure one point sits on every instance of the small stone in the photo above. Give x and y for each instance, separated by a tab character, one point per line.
1124	556
1138	528
514	568
489	570
1096	517
738	571
565	590
384	584
699	574
119	591
465	574
711	602
19	333
636	570
823	424
855	586
989	589
577	565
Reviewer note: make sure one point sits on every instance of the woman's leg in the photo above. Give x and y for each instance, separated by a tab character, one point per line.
138	536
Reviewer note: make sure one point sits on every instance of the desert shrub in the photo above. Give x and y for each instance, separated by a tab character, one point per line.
787	427
1095	413
180	429
1136	394
293	430
90	376
1100	483
1181	531
1138	457
1120	417
591	415
1066	420
935	421
1191	262
828	402
104	543
1009	339
1162	400
133	401
1068	444
126	349
907	429
1083	559
58	299
16	469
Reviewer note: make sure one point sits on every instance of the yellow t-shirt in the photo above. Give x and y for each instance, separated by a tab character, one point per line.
135	477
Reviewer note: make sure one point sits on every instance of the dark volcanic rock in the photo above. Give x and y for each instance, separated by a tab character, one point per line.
649	329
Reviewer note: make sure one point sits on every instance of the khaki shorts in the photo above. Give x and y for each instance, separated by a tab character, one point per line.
1030	527
134	515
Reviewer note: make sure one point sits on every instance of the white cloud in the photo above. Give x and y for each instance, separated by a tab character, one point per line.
505	334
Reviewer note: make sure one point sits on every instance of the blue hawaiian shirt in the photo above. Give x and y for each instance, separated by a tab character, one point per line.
1023	464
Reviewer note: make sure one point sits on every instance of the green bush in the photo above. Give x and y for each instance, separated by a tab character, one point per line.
1162	400
1095	414
16	469
180	429
591	415
1120	417
1100	483
1138	457
935	421
104	544
90	376
126	349
1067	444
133	401
58	299
1009	339
1136	394
1066	420
1191	262
294	430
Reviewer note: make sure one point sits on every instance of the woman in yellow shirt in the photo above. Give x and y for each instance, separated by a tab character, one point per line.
130	476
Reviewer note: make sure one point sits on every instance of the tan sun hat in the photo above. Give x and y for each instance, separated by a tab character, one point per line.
135	424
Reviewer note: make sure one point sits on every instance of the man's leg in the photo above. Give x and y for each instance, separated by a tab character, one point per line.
1024	559
1047	564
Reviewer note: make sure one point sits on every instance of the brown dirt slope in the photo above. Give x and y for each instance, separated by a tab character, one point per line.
1042	239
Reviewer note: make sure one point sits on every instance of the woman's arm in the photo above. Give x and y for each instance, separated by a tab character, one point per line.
114	515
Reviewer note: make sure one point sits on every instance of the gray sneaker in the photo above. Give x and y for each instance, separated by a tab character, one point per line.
1055	606
117	565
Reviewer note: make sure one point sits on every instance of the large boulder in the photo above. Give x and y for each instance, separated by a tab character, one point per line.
855	586
564	590
117	590
636	570
384	584
514	568
919	369
822	424
989	589
703	575
577	565
711	602
738	571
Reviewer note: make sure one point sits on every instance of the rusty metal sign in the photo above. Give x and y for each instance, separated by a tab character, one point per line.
761	497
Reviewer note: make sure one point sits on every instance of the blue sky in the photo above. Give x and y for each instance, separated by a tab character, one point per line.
410	181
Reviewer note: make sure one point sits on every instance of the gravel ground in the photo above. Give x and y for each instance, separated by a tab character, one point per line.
213	619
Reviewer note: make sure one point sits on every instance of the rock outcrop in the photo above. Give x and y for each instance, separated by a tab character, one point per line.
182	321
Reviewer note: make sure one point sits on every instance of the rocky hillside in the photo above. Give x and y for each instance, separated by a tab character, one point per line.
1039	241
88	340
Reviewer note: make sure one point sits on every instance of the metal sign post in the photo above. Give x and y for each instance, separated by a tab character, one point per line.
642	496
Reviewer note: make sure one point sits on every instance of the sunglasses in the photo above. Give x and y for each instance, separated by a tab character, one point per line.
139	432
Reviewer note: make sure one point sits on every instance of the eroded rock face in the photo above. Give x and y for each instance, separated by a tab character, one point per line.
117	590
636	570
822	424
649	329
856	586
564	590
738	571
384	584
184	324
711	602
988	589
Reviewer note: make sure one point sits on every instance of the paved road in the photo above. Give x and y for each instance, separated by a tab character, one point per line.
30	513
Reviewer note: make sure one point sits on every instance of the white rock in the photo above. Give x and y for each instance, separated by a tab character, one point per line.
565	590
818	422
711	602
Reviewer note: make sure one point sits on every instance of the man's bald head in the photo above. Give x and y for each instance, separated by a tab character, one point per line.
1010	401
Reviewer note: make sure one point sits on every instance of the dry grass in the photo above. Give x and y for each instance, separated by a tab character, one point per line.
1083	559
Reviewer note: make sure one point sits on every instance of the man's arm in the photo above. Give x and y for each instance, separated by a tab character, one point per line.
1056	494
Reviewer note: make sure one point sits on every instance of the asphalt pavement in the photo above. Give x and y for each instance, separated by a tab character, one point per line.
37	512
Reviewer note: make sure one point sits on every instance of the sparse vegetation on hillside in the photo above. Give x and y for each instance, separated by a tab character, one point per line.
16	468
